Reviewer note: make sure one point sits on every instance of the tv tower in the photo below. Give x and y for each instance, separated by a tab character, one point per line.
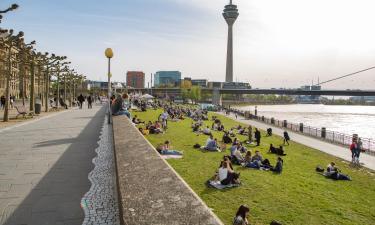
230	14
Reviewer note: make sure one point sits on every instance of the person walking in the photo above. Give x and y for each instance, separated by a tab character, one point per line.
286	137
2	102
356	148
11	101
89	102
257	136
80	99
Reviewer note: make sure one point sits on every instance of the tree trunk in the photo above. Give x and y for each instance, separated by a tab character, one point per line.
47	90
7	89
32	86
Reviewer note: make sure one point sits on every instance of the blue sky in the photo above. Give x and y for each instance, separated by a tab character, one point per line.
277	43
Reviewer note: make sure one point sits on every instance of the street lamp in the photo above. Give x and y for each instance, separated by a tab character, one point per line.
109	54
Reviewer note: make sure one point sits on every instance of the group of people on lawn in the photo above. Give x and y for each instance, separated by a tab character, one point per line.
239	154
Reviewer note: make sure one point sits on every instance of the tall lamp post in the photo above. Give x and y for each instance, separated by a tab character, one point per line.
109	54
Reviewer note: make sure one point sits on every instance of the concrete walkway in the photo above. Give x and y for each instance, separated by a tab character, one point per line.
44	168
335	150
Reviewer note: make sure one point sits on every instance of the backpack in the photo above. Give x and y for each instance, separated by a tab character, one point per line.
196	146
319	169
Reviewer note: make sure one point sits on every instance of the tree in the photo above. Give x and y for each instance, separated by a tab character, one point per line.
196	93
185	90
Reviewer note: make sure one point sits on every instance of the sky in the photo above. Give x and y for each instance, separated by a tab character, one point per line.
286	43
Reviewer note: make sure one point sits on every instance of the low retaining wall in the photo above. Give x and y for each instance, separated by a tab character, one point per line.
150	191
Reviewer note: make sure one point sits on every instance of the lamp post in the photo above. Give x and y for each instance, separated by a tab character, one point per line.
109	54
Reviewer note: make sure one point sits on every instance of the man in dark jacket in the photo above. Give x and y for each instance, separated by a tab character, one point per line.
257	136
81	99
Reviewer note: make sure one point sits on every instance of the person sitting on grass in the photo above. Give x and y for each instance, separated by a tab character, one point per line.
242	148
256	161
232	149
237	157
257	157
226	139
135	120
144	131
235	141
227	159
226	175
247	158
211	144
149	124
214	126
241	216
221	127
207	131
279	166
164	149
241	131
231	132
277	151
334	173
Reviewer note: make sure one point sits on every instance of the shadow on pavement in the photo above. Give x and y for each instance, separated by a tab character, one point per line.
55	142
55	199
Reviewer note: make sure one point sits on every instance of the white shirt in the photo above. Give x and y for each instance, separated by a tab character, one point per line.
238	155
223	173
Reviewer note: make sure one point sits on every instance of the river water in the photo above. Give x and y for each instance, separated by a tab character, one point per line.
345	119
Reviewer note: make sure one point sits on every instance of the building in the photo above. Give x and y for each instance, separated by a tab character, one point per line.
200	83
167	79
135	79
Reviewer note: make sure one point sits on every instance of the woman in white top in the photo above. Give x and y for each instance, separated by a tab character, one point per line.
223	171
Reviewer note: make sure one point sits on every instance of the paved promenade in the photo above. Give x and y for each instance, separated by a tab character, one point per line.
335	150
44	167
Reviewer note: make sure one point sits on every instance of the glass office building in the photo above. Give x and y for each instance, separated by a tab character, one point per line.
167	79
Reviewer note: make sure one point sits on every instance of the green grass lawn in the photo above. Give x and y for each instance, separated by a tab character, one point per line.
298	196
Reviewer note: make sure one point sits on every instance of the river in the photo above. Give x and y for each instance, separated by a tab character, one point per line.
345	119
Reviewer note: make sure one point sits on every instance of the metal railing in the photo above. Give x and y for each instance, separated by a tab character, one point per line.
319	133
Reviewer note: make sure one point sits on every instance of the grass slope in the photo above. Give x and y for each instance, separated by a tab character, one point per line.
298	196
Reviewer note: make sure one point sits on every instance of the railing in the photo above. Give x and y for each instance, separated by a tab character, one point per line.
320	133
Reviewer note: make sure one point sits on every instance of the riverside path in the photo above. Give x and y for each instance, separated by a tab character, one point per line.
44	167
332	149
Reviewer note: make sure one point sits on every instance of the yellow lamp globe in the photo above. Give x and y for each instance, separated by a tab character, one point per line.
108	53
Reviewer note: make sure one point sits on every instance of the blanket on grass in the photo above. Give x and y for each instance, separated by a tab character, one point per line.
171	156
218	185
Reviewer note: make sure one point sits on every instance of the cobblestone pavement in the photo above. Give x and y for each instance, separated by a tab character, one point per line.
332	149
100	203
44	168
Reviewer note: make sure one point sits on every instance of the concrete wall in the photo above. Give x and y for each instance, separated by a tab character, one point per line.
150	191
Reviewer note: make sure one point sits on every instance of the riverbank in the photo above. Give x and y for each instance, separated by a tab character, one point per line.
304	196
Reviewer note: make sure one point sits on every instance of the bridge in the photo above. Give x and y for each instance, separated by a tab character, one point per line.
217	92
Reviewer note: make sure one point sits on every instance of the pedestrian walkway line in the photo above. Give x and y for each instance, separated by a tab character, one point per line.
331	149
34	120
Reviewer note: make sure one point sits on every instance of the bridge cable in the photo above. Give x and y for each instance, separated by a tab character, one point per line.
338	78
